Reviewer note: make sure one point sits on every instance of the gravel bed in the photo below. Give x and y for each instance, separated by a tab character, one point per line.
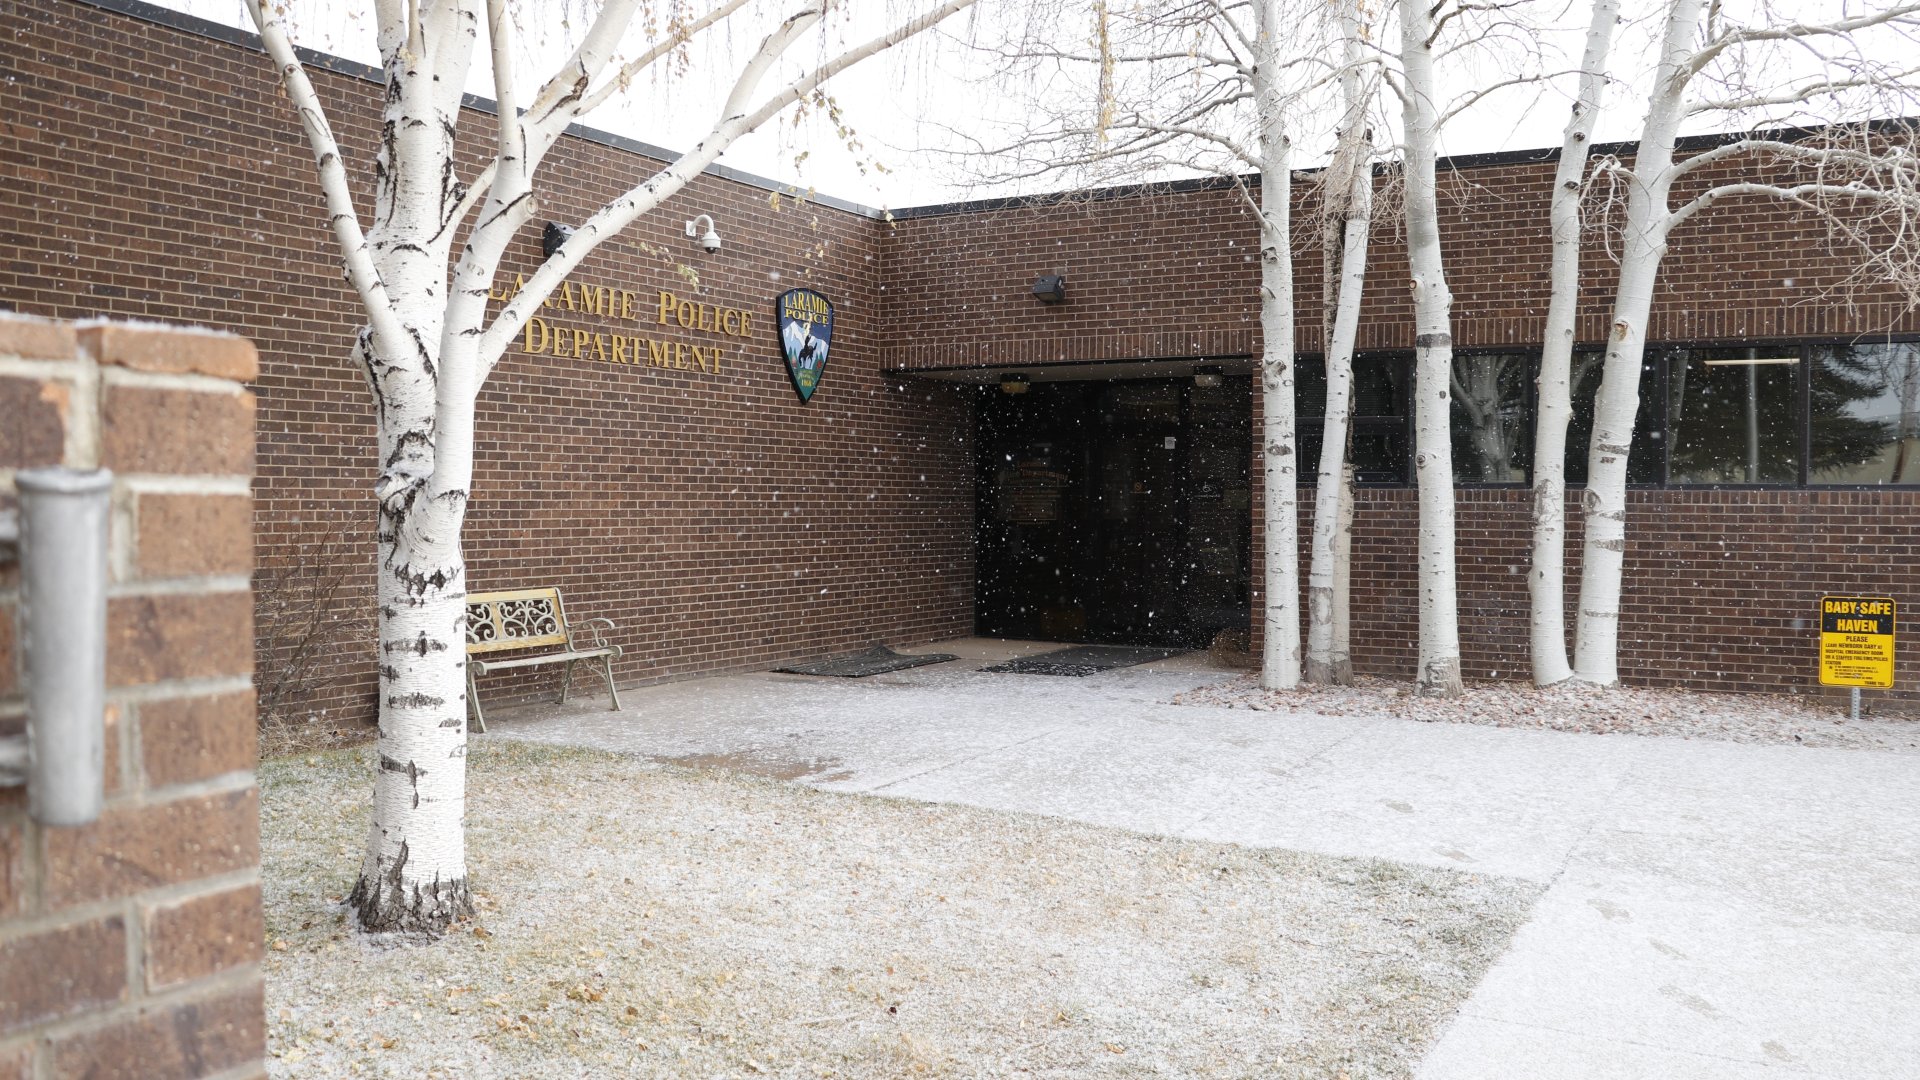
1742	718
638	919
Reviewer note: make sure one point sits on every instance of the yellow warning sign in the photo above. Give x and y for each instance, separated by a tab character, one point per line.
1856	641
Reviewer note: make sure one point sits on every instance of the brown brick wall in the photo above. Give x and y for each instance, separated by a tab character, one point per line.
130	947
1721	587
723	525
1174	274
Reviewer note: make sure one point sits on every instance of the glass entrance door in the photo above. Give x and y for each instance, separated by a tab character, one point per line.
1114	511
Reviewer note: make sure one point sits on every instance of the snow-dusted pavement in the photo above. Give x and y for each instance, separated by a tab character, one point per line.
1714	910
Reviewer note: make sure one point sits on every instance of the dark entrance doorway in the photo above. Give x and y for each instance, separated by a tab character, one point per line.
1114	511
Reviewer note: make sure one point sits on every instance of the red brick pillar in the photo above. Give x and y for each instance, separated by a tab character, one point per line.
131	947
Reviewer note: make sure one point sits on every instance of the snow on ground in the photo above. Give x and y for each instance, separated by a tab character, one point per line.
644	920
1740	718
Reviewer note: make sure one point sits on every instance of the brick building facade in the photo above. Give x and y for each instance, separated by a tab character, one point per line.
152	170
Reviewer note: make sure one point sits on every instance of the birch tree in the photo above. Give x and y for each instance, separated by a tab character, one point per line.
423	265
1346	223
1548	620
1439	665
1866	183
1428	36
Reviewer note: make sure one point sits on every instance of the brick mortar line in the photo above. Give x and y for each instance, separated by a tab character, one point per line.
85	424
223	784
136	940
209	585
193	484
128	906
175	689
127	732
158	380
11	364
123	540
15	705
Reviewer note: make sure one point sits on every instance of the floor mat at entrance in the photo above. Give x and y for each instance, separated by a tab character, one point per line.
1083	660
875	661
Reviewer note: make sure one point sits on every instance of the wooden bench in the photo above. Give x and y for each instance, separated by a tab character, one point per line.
529	619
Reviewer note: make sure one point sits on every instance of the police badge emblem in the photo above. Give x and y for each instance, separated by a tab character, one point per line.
805	321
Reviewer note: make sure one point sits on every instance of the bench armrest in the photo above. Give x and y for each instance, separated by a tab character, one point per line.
595	630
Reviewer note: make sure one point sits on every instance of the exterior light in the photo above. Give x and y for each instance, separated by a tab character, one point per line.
1050	288
709	240
1014	383
553	236
1207	376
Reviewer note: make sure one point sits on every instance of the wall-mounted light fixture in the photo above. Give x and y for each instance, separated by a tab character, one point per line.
1207	376
1050	288
1014	383
553	236
709	240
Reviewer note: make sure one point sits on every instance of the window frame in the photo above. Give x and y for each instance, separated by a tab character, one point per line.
1660	354
1531	407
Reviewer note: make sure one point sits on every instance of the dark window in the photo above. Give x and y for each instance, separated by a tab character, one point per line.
1731	415
1864	414
1309	388
1381	393
1382	386
1776	414
1488	418
1645	458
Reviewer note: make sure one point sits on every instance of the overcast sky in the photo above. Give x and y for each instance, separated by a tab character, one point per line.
900	103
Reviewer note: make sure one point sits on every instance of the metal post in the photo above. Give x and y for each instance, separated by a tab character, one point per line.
1855	695
63	594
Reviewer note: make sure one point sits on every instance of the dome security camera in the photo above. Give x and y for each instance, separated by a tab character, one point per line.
709	240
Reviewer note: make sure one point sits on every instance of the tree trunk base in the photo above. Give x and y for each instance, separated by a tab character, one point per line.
1337	672
1441	679
387	905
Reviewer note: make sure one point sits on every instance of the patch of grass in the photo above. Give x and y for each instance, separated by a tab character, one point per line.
642	920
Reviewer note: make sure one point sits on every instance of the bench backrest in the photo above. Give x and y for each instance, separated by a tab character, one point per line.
515	619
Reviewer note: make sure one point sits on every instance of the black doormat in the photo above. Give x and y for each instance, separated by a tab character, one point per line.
875	661
1083	660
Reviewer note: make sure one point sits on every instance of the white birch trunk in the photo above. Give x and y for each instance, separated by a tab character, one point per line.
1342	583
1643	245
1439	671
1348	195
1555	410
414	875
1280	658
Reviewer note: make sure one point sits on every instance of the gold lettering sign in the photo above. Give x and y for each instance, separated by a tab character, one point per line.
671	315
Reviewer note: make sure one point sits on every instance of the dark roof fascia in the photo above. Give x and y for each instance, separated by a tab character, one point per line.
1456	163
192	24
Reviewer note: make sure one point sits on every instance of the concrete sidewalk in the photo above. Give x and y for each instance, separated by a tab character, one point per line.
1713	910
